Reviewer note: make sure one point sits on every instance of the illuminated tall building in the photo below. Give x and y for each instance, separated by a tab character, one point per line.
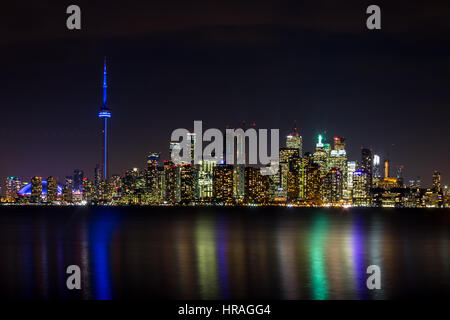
289	172
332	186
366	165
68	190
192	139
351	168
437	187
13	187
361	189
312	180
223	184
67	195
78	176
205	180
366	161
338	159
161	183
386	168
339	143
88	190
294	141
36	189
321	156
257	187
105	114
186	184
172	183
152	192
376	167
52	189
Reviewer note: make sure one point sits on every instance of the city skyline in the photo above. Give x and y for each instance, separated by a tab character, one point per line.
376	89
326	177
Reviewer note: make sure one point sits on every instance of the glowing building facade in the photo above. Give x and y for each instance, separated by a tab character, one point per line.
223	184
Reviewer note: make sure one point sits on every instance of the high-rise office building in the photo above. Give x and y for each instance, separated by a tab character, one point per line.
223	184
339	143
351	168
98	181
88	190
294	141
116	186
437	187
172	182
338	159
52	189
161	183
376	167
78	176
366	161
257	187
192	139
321	156
186	184
67	194
69	182
36	189
152	192
13	187
366	166
332	187
68	190
386	168
289	171
205	180
361	190
313	182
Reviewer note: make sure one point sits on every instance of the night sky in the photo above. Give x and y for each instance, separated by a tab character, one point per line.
174	62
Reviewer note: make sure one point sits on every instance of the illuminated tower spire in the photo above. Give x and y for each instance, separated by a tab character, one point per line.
104	83
106	114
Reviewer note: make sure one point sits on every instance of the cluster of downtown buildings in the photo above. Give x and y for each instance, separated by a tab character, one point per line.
322	178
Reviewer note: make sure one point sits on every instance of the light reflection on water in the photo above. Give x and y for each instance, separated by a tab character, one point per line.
221	253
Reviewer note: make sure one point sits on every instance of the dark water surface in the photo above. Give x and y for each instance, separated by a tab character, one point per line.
223	253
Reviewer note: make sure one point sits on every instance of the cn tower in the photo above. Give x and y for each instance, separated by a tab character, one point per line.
105	114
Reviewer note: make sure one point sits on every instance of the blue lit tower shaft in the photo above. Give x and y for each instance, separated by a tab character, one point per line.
106	114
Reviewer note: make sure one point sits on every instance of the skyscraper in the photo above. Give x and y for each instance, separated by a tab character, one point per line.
12	188
105	114
437	181
376	167
338	159
78	176
205	180
294	141
172	183
36	189
361	190
223	184
333	183
321	156
257	187
152	193
366	166
351	168
186	184
52	189
289	163
386	168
